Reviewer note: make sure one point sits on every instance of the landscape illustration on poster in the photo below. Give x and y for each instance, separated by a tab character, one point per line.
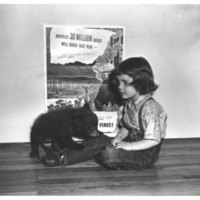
78	62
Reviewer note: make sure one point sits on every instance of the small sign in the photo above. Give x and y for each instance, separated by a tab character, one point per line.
107	121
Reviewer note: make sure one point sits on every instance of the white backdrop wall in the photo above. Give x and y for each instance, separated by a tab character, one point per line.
167	35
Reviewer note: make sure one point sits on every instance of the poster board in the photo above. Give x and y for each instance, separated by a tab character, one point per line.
78	62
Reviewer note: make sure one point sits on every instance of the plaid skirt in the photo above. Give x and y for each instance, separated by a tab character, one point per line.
112	158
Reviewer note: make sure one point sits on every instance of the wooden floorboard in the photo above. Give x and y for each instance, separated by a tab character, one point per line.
177	172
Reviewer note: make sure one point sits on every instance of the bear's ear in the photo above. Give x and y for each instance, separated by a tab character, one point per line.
87	106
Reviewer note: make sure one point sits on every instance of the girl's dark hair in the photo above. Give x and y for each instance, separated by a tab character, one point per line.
139	70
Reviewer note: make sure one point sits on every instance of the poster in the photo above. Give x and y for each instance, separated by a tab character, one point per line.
78	62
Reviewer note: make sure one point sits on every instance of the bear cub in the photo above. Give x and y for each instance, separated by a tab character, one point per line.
60	126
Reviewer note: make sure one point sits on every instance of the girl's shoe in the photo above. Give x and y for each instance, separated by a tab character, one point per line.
49	156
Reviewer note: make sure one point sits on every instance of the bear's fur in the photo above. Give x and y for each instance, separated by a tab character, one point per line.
62	125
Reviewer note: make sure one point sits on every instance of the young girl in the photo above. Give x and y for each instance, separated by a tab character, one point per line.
143	122
141	128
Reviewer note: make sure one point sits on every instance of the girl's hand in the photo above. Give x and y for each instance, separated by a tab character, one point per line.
115	141
123	132
124	145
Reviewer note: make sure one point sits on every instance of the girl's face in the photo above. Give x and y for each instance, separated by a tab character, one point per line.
125	88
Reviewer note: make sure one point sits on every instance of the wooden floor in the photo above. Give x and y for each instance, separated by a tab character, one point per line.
176	173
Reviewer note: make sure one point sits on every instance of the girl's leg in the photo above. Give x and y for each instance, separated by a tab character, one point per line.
112	158
92	147
54	156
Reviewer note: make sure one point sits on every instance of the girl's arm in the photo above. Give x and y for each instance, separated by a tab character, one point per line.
139	145
123	132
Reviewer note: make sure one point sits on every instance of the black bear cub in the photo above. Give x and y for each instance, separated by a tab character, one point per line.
62	125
